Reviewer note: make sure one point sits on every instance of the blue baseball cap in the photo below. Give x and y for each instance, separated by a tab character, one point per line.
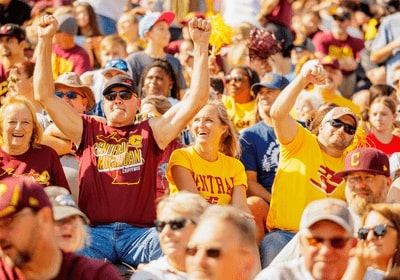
118	65
149	19
271	81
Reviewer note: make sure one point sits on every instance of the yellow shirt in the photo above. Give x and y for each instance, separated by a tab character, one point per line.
214	180
242	115
305	173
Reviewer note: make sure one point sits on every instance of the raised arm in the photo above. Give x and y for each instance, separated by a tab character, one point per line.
170	124
63	115
285	125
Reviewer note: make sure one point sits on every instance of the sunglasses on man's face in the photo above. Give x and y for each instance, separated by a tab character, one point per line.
123	94
349	129
379	231
336	242
191	250
175	224
68	94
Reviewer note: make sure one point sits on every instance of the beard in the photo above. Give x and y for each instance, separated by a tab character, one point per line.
21	259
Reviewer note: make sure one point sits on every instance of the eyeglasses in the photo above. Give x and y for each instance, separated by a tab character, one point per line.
336	242
236	78
370	178
123	94
349	129
339	19
379	231
68	94
191	250
176	224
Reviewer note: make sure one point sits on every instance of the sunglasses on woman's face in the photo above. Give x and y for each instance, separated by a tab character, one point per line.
235	78
175	224
378	230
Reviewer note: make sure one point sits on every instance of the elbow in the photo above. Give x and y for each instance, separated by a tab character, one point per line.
374	57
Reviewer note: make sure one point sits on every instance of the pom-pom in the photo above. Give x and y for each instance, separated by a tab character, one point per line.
221	34
262	44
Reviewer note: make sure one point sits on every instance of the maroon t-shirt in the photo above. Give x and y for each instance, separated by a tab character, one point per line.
75	267
117	175
42	164
325	43
3	80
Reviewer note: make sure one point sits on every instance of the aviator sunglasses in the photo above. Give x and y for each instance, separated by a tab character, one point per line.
379	231
68	94
236	78
175	224
349	129
124	94
191	250
336	242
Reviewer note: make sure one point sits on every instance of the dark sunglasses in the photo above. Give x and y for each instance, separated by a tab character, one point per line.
236	78
68	94
124	94
349	129
339	18
336	242
176	224
379	231
191	250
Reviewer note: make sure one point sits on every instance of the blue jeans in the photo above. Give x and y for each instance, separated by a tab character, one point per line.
121	242
272	243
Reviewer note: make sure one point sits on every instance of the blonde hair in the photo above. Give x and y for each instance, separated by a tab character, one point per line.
37	132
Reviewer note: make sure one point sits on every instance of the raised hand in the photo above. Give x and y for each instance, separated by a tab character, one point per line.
200	30
47	26
316	74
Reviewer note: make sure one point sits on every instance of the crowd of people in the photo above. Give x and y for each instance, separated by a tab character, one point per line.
199	139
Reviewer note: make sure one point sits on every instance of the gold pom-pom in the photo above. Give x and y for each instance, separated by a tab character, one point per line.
221	34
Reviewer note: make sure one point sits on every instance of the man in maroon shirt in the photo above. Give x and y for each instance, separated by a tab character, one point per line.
27	231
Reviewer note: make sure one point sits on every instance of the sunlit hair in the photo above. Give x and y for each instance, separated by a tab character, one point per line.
25	67
93	23
228	143
392	213
109	41
229	214
167	68
37	128
160	102
191	205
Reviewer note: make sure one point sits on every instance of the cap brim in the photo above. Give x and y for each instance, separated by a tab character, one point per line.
120	72
166	16
62	212
344	173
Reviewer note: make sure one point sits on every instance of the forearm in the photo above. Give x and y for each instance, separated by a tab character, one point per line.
256	189
43	78
382	54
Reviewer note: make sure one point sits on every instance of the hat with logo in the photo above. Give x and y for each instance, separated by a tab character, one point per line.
118	65
329	61
72	80
63	203
366	159
67	24
329	209
16	193
271	81
120	81
339	112
13	30
150	19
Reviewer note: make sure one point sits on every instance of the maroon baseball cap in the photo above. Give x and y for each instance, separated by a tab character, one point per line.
366	159
329	61
16	193
120	80
13	30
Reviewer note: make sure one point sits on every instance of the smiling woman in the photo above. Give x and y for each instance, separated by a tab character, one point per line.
21	152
